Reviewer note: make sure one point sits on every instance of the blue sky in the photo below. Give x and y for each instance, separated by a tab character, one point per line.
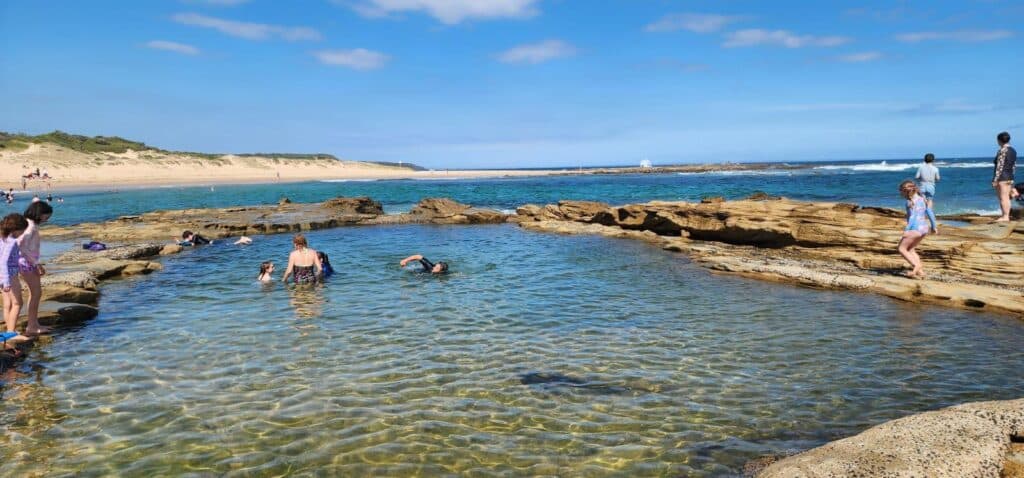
521	83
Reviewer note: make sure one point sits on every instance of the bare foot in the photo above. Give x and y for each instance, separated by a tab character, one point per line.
19	338
38	331
1002	220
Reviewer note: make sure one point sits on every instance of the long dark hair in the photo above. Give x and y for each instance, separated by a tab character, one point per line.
35	211
11	223
264	267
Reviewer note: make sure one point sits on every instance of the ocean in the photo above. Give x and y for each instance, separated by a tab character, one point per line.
539	354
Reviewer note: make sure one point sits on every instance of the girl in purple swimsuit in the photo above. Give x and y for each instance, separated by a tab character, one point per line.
920	221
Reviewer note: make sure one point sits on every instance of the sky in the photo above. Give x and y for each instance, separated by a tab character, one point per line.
522	83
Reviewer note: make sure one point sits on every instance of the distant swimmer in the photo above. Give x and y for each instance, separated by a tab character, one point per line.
438	268
266	272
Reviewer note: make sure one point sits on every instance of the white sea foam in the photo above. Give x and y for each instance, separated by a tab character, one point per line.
747	172
885	166
347	180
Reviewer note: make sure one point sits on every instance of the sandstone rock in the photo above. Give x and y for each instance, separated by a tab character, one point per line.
70	294
79	279
447	211
961	441
833	245
127	252
581	211
171	249
357	205
762	196
712	200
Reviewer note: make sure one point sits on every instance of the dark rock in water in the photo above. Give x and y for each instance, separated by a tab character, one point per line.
712	200
284	201
543	378
77	313
357	205
554	381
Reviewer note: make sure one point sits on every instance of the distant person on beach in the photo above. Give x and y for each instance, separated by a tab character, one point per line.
920	222
303	263
266	271
189	238
29	266
927	176
1002	177
11	227
326	263
427	266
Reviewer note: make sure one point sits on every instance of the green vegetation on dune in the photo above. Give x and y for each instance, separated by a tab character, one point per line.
115	144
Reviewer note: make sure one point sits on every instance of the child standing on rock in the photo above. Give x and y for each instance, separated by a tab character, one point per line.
11	227
920	222
28	263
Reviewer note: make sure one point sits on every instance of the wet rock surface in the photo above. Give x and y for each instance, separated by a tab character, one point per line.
826	245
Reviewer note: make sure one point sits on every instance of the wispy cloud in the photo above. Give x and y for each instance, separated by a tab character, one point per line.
249	31
673	64
172	46
219	3
449	12
969	36
694	22
810	107
862	57
534	53
956	106
784	38
356	59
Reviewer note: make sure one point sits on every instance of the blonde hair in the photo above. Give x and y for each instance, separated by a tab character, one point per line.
300	240
909	184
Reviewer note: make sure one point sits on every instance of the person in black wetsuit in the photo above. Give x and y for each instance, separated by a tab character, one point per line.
192	239
1002	177
439	268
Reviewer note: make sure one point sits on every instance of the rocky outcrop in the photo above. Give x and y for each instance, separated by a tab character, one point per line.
285	217
825	245
447	211
969	440
358	205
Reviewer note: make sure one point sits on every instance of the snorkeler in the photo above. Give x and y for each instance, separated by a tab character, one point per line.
439	268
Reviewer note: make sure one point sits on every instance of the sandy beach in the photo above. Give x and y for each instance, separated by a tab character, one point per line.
69	169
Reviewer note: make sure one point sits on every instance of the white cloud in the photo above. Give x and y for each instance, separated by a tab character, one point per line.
537	52
862	57
694	22
356	59
961	36
757	37
172	46
249	31
449	12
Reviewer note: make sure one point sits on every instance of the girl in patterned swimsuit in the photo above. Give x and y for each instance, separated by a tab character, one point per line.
920	221
303	263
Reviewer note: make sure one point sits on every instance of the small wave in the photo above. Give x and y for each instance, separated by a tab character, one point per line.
745	172
346	180
885	166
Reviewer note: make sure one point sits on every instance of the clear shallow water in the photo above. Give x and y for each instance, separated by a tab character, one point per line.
965	187
540	354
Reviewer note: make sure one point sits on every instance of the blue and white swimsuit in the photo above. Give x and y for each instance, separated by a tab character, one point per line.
920	217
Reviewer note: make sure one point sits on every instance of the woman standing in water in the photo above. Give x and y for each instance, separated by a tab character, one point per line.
303	263
1002	178
28	263
920	221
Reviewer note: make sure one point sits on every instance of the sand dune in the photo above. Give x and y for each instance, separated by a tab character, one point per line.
75	169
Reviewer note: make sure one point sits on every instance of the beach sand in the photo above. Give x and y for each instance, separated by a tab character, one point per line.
69	169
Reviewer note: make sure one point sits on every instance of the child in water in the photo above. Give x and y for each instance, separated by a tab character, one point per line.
920	221
266	269
11	229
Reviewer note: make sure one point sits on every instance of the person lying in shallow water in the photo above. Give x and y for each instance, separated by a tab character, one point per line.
189	238
439	268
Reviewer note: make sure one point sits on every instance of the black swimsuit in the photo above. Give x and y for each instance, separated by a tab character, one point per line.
427	265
